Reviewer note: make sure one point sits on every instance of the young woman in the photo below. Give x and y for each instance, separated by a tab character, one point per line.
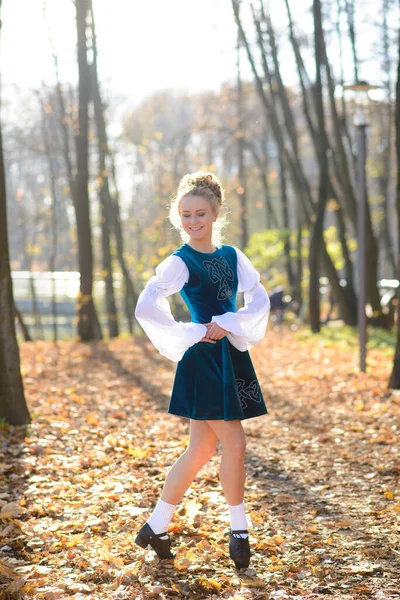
215	384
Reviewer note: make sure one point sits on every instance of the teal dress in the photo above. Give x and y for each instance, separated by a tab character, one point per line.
214	381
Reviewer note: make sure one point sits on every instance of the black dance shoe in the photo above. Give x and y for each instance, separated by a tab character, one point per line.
147	536
239	549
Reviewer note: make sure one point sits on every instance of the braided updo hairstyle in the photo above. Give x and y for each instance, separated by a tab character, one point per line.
207	185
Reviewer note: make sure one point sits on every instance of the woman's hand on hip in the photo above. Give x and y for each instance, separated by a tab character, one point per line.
215	332
206	339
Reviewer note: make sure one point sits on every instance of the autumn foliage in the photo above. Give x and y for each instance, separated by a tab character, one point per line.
322	477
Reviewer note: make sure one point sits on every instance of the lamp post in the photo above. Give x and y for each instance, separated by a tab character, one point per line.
361	89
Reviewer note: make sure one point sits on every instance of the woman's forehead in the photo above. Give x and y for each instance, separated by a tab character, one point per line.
194	203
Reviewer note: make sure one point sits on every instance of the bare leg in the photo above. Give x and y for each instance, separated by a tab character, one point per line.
232	471
202	445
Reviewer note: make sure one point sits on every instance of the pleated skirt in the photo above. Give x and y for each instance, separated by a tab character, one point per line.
216	381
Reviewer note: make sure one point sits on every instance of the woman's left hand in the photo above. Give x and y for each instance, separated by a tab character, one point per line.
215	332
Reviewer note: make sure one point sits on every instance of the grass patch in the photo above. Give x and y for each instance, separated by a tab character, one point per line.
347	337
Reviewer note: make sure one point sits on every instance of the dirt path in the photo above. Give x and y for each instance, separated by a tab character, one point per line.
322	479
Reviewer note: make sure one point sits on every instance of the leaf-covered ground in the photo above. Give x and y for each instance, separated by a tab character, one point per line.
322	479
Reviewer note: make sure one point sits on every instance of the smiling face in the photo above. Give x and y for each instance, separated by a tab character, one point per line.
197	217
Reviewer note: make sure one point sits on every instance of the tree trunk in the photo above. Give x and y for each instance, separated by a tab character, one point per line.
22	324
88	324
241	189
341	229
344	116
53	222
308	104
130	294
286	226
350	10
305	83
298	297
28	260
386	128
350	204
104	195
317	232
292	161
287	111
347	198
394	381
13	407
271	219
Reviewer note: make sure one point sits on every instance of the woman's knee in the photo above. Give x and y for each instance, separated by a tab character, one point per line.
201	453
203	442
235	447
232	438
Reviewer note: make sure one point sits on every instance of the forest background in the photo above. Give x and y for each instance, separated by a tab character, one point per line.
103	111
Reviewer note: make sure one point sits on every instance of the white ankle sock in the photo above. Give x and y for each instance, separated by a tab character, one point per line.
161	517
238	519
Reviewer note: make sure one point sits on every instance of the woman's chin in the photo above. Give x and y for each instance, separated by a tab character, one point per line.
198	235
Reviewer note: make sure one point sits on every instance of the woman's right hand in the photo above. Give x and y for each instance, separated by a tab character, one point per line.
209	340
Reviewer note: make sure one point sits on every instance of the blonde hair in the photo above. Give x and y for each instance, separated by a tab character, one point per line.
207	185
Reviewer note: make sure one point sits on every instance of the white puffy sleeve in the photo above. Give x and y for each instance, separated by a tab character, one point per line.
171	338
247	326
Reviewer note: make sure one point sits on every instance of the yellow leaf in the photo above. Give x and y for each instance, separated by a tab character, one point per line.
136	451
209	584
342	524
75	540
278	539
264	544
76	398
329	540
92	418
256	518
255	583
216	584
116	562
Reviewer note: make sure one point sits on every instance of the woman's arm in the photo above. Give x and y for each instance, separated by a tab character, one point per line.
247	326
153	311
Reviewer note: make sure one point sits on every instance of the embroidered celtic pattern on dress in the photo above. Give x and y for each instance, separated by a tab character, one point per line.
220	272
251	392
